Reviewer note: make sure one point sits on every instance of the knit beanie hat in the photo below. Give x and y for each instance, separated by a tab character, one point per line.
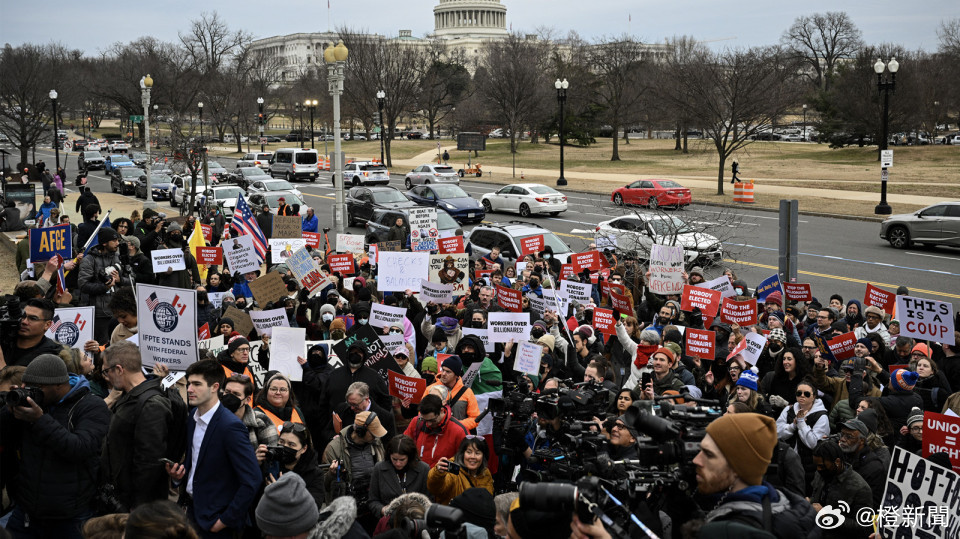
328	309
235	343
923	349
540	324
287	508
338	323
429	364
46	370
675	348
916	416
673	335
174	227
478	507
107	234
866	342
748	379
747	442
903	380
447	324
586	332
776	314
777	334
869	418
547	340
667	352
228	321
774	297
455	364
903	291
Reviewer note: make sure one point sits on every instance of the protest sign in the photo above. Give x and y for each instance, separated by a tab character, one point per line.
242	323
286	345
265	321
700	343
342	264
451	269
207	232
742	313
509	299
537	304
941	434
482	273
240	254
393	245
283	248
167	321
313	239
453	244
398	271
423	223
423	244
621	302
841	346
406	387
379	357
528	358
879	298
666	269
307	271
435	292
204	331
267	288
216	299
45	243
210	256
566	271
591	260
531	245
349	243
919	500
164	259
391	340
768	286
214	344
604	322
797	291
482	334
287	226
607	286
505	326
372	253
754	346
555	300
705	299
579	292
72	327
384	316
605	241
926	319
722	285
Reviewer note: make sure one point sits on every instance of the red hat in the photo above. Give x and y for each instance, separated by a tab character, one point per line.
774	297
281	199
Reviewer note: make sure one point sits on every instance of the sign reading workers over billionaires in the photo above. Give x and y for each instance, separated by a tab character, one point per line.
167	320
501	327
167	258
435	292
721	284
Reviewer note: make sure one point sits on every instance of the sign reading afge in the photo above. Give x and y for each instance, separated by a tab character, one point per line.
167	318
920	500
927	319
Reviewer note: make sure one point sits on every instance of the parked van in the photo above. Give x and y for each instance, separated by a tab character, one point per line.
295	163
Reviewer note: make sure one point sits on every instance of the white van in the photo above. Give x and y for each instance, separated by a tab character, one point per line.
295	163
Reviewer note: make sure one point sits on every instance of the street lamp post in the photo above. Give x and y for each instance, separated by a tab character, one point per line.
381	97
336	59
260	120
299	110
56	140
561	87
203	150
885	87
312	105
146	83
804	122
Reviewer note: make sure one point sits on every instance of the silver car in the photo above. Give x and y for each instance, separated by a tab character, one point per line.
431	173
934	225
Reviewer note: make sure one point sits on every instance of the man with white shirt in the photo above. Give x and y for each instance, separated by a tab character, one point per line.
220	468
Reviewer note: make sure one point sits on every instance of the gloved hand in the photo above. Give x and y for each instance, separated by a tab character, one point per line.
777	401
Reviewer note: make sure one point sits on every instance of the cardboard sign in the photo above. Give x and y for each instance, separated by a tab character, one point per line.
342	264
379	357
579	292
451	269
399	271
72	327
502	327
268	288
482	334
393	245
768	286
313	239
453	244
926	319
528	358
941	433
531	245
406	387
509	299
666	269
283	248
705	299
919	500
207	232
722	285
286	345
287	226
700	343
209	256
384	316
203	333
797	291
265	321
167	258
350	243
604	322
841	346
167	322
307	272
879	298
240	254
242	323
435	292
621	302
45	243
591	260
742	313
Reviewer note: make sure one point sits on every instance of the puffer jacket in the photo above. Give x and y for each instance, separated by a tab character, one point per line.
445	443
793	516
60	453
447	486
92	291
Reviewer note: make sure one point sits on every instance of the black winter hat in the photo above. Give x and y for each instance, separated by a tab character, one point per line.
107	234
478	507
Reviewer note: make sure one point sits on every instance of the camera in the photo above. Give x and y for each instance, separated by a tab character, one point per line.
18	396
273	453
10	317
105	275
438	519
453	468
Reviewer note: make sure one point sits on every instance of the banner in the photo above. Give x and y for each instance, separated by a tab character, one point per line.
720	284
920	499
350	243
240	254
211	256
483	335
307	272
167	321
879	298
164	259
342	264
705	299
767	286
287	226
531	245
666	269
286	345
841	346
603	321
742	313
591	260
797	291
941	434
268	288
509	299
700	343
72	327
45	243
283	248
384	316
435	292
505	326
528	358
265	321
399	271
313	239
926	319
579	292
621	302
406	387
451	245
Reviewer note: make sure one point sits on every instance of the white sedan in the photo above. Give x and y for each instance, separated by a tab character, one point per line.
525	199
638	233
265	186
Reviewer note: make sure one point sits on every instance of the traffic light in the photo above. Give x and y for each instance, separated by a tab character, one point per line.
260	118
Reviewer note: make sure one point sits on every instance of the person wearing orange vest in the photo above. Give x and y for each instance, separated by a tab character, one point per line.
278	402
237	360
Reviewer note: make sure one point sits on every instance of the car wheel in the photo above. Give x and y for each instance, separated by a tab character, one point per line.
899	237
408	183
356	181
112	188
618	199
524	210
652	203
349	219
487	207
426	182
290	177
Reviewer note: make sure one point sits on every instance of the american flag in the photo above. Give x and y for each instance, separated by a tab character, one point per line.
61	278
152	301
245	223
56	323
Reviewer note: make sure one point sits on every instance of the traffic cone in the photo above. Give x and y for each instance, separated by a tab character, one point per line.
521	175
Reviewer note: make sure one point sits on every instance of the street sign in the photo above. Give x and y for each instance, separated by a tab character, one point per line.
471	141
884	175
136	119
886	158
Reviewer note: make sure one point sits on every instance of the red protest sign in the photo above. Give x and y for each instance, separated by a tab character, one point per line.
620	302
482	273
509	299
313	239
700	343
797	291
603	321
207	231
203	332
451	245
742	313
531	245
210	256
880	298
841	346
607	286
589	260
566	271
941	434
708	301
892	368
341	263
406	387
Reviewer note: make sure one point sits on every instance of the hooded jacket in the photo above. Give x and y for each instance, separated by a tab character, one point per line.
793	516
338	449
385	484
489	377
92	291
432	445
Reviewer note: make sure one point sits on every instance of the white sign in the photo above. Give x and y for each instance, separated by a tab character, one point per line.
579	292
926	319
385	316
528	358
164	259
283	248
350	243
72	327
167	321
171	379
471	373
265	321
919	500
555	301
213	343
216	299
886	158
502	327
481	334
437	293
722	284
391	341
666	269
755	343
307	271
285	346
240	254
423	223
605	241
397	271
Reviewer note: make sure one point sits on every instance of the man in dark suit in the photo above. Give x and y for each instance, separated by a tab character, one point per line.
220	474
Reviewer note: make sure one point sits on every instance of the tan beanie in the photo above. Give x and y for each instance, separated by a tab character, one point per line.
747	441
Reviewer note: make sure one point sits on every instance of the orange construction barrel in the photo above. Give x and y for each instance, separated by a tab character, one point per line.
743	192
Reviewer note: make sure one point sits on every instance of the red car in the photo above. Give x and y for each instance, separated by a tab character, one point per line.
653	193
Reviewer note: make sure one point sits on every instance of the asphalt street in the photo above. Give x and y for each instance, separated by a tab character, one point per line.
835	255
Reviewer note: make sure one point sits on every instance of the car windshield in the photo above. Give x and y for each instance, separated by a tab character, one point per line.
384	197
543	190
229	192
116	157
373	168
445	222
443	169
139	155
274	200
213	164
279	185
449	191
668	183
666	226
159	178
549	239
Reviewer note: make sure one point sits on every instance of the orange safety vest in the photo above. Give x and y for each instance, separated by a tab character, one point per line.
247	373
277	422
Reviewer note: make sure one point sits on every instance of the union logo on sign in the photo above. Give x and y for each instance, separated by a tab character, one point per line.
165	317
68	333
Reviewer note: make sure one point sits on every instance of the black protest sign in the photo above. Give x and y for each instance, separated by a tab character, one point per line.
378	357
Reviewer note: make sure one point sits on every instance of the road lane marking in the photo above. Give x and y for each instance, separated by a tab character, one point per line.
839	258
931	256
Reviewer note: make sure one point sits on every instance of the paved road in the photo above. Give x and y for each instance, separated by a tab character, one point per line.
836	255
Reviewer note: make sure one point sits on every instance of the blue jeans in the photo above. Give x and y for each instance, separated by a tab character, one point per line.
22	526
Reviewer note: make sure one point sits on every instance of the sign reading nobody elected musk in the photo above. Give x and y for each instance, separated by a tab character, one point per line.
666	269
405	387
501	327
167	320
708	301
926	319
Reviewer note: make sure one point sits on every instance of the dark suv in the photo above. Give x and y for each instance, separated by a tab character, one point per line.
382	220
362	201
507	237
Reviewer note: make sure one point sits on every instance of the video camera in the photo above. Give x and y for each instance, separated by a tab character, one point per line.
438	519
10	316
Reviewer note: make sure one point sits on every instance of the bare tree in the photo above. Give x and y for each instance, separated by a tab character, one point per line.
445	82
618	66
821	40
949	34
29	73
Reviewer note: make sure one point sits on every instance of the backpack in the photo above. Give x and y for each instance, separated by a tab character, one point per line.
177	428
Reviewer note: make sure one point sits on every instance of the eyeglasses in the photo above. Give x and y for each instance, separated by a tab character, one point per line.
806	394
918	354
809	347
108	369
32	318
279	390
619	425
849	435
290	426
358	406
244	349
916	429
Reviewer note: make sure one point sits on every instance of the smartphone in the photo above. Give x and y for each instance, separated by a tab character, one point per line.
453	467
168	461
645	378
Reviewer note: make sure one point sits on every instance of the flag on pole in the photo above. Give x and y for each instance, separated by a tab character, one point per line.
93	237
61	278
245	223
196	240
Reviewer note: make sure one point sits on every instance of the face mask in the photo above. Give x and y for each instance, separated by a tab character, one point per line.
327	317
362	321
478	324
355	359
775	346
287	455
547	256
536	333
534	283
827	475
231	402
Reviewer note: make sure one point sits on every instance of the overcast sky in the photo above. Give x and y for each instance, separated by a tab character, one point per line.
92	27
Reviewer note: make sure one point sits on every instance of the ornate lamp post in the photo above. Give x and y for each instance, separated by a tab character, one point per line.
299	111
146	83
804	122
312	105
381	97
260	120
561	87
56	139
336	60
885	87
